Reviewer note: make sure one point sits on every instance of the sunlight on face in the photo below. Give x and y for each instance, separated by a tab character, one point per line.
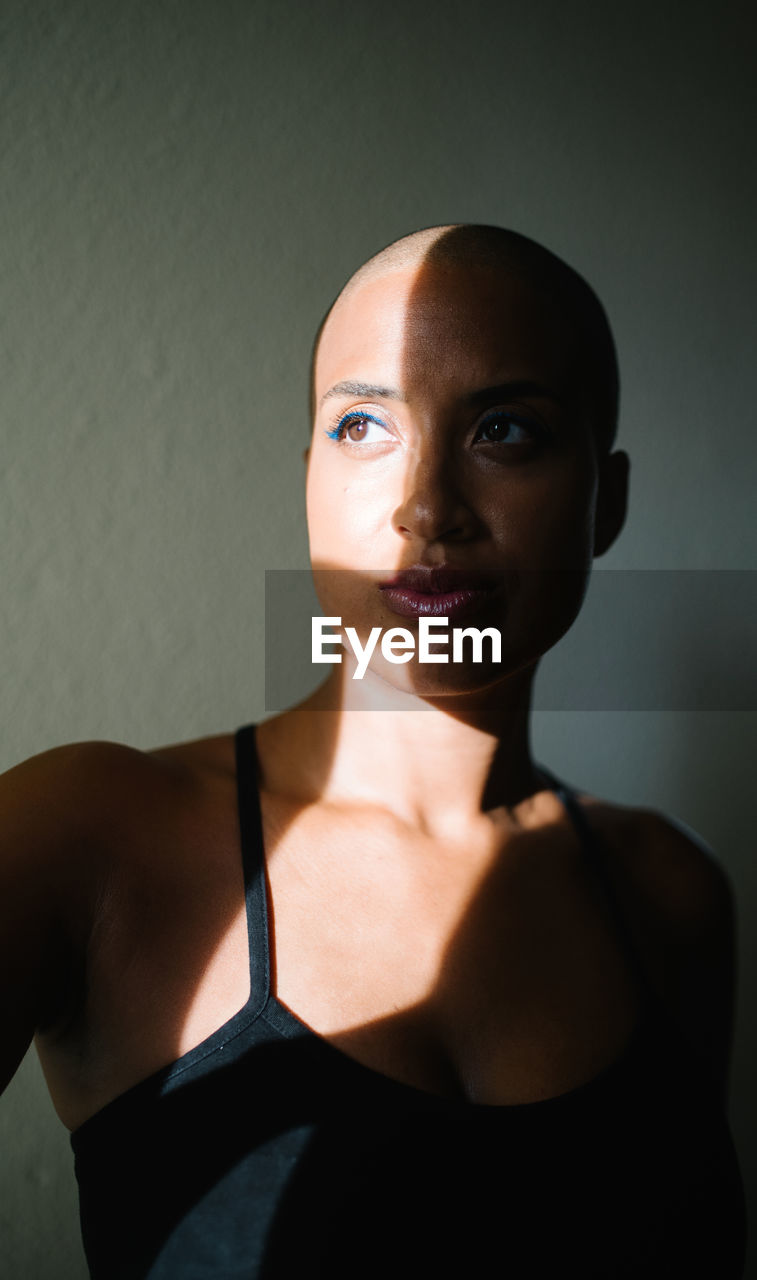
448	433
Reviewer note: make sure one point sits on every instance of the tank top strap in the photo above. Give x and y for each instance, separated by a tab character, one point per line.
596	855
253	866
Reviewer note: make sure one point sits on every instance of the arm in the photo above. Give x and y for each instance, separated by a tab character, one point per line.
701	946
43	897
680	906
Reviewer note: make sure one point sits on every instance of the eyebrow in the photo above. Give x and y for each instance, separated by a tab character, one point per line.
366	389
502	391
510	390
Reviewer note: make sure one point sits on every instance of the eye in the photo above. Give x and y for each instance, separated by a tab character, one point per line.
358	428
503	427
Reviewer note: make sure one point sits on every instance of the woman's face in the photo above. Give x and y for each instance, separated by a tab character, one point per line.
451	432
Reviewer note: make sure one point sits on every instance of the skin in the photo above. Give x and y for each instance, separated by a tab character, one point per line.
433	913
433	485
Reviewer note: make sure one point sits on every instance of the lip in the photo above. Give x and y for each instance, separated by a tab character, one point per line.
432	580
444	592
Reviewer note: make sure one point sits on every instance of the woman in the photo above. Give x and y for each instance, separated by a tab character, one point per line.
363	991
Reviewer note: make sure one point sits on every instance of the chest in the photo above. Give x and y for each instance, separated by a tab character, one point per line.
491	970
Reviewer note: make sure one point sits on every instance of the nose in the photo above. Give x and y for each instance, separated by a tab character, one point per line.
434	506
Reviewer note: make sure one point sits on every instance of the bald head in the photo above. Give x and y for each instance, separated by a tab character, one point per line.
494	249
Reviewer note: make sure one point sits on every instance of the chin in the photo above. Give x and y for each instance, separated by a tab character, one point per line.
449	680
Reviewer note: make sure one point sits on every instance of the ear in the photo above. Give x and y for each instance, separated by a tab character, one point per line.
612	500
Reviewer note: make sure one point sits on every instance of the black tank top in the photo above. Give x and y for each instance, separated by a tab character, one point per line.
267	1152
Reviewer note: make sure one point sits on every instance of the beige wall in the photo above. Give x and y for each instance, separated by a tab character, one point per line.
185	186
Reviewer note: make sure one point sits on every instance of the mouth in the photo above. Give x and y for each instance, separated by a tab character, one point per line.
438	592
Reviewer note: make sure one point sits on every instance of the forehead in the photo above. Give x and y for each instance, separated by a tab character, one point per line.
435	328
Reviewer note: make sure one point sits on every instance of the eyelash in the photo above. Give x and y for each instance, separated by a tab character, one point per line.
533	427
338	429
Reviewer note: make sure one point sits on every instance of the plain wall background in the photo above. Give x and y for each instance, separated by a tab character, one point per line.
185	186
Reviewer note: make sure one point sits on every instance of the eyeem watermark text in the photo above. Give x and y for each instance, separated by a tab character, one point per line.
398	645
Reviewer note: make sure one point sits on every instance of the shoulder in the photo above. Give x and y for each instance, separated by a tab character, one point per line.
74	817
77	784
59	814
52	799
47	891
679	903
667	869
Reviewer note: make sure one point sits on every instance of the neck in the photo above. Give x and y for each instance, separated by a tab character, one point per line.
438	763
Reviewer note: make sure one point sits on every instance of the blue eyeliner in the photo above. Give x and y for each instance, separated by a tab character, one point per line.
334	433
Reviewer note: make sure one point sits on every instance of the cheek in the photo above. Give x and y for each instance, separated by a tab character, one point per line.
328	516
543	526
542	606
349	520
337	526
547	543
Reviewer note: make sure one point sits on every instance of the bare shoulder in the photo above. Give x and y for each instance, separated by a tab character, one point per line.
73	764
667	868
47	889
52	799
76	816
76	784
679	903
74	823
60	813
